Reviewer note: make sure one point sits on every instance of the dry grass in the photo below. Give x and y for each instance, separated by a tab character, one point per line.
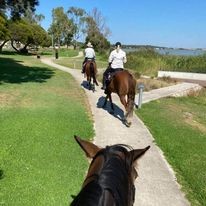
150	84
190	119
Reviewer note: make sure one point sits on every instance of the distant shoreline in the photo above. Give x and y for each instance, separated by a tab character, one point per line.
171	51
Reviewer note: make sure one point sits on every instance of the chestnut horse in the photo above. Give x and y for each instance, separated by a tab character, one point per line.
91	72
111	175
124	84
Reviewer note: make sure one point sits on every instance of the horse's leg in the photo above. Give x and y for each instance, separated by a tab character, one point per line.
93	85
130	105
105	101
110	99
89	82
95	80
123	101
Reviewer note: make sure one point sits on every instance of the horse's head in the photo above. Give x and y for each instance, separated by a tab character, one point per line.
112	170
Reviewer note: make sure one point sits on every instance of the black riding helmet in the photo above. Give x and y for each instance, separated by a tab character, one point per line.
118	43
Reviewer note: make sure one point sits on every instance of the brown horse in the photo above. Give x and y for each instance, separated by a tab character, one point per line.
91	72
111	175
124	84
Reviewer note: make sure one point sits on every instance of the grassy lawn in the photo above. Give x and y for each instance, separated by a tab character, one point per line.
62	52
40	110
179	128
76	63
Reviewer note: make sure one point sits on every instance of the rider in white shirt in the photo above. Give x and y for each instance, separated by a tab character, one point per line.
117	58
89	54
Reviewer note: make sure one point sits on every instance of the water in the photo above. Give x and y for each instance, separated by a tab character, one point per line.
177	52
181	52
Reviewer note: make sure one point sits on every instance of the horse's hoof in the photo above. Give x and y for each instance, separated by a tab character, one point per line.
128	124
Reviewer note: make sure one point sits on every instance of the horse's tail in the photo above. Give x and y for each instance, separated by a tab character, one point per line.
93	71
131	95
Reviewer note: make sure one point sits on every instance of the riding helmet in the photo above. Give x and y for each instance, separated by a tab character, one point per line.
118	43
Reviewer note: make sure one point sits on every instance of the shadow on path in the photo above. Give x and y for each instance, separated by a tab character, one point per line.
85	84
13	71
118	112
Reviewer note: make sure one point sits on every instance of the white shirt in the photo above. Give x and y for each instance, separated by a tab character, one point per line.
117	58
89	53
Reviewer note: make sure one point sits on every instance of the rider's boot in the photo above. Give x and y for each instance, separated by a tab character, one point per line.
103	83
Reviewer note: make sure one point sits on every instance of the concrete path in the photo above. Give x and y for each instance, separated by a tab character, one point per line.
175	90
156	184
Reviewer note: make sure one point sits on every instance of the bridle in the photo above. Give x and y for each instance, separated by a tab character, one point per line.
107	154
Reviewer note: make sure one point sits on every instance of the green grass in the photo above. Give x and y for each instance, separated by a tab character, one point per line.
40	163
62	52
76	63
179	128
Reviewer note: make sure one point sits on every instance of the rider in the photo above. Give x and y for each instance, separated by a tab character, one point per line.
117	58
89	55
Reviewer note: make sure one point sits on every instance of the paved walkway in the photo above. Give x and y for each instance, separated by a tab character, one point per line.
156	184
175	90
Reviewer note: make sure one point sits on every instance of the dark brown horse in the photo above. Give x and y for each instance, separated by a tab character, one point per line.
111	175
91	72
124	84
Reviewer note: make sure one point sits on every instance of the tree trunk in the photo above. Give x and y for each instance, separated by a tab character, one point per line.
12	44
1	46
24	50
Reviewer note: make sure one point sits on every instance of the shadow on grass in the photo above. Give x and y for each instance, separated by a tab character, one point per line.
118	112
11	71
1	174
12	52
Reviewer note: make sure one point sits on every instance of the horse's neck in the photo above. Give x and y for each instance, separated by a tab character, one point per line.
114	178
93	195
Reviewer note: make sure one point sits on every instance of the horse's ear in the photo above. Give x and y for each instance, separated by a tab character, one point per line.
89	148
137	153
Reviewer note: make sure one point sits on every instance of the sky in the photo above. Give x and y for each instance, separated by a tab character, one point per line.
169	23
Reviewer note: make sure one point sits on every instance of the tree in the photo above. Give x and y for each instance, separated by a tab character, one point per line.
18	8
77	16
97	31
21	26
2	7
100	22
38	18
4	32
31	17
61	28
25	34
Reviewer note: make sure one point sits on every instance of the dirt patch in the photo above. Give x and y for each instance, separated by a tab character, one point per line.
6	99
189	119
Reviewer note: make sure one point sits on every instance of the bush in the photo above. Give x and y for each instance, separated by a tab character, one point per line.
148	62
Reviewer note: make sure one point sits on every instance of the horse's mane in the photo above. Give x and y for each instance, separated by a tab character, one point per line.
113	177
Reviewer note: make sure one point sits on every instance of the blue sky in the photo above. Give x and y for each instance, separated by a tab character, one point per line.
171	23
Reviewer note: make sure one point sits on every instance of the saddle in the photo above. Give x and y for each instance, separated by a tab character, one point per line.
111	75
88	60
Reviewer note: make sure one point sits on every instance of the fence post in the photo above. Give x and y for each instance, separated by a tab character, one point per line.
140	88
